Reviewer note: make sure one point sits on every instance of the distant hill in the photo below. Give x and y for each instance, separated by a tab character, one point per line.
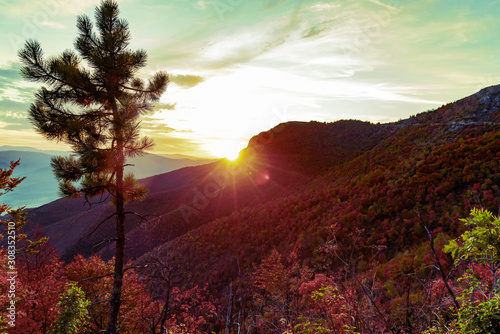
31	149
200	161
41	187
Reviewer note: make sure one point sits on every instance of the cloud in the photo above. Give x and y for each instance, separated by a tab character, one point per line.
44	8
30	138
13	115
202	4
383	4
164	106
10	73
15	95
272	4
155	128
170	144
209	44
321	6
13	87
53	24
186	81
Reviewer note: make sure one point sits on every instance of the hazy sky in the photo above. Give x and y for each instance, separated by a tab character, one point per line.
239	67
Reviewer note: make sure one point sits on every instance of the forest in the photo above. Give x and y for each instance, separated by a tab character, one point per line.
344	227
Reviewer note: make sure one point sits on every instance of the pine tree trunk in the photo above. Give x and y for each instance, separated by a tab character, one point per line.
115	301
118	275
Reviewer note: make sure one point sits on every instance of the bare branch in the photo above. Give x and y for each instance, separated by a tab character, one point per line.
438	263
99	225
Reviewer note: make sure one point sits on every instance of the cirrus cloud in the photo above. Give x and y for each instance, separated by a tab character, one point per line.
186	80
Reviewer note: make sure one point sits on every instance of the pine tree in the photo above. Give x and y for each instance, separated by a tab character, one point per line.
92	101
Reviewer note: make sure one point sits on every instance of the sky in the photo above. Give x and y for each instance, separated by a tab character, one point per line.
239	67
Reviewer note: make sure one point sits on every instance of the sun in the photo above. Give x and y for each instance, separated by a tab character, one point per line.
233	156
226	149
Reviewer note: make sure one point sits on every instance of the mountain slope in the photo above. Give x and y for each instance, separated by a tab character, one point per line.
432	167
